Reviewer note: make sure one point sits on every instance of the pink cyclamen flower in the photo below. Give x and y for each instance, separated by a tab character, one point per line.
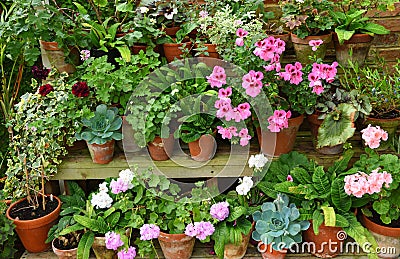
149	231
373	136
85	54
252	83
241	33
315	44
239	42
217	77
220	210
113	240
119	186
129	253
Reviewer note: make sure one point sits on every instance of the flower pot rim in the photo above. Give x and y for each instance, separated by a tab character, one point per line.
356	38
63	250
380	119
177	44
101	145
379	229
174	237
327	38
32	223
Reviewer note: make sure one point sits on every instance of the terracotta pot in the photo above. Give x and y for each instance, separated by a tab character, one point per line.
53	56
276	144
161	149
173	50
100	249
137	48
314	126
358	45
267	252
203	149
327	243
385	237
176	246
33	233
211	49
389	125
303	50
232	251
172	31
64	254
102	154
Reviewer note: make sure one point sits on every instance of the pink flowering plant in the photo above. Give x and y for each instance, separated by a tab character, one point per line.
373	181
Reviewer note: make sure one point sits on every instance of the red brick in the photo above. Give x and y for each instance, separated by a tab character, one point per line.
391	24
391	39
390	54
376	13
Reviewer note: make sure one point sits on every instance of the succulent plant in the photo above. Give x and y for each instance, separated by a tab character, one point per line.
102	127
278	223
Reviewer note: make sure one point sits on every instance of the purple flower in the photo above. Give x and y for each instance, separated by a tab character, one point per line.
149	231
201	230
113	240
220	210
85	54
127	254
118	186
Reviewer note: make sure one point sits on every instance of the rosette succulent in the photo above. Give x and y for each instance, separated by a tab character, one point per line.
278	223
103	127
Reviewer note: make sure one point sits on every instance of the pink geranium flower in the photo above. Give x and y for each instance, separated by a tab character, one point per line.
239	42
315	44
293	73
252	83
279	120
373	136
241	33
217	77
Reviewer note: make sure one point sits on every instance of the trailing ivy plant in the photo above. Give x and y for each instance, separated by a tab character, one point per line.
7	235
319	193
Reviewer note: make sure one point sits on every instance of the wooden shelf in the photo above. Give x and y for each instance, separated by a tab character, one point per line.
79	166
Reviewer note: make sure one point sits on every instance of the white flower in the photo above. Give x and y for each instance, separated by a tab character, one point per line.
170	15
300	1
153	21
101	200
257	161
127	177
245	185
103	187
173	92
144	9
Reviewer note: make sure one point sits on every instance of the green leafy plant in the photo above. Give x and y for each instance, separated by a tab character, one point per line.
318	192
115	85
354	21
380	85
102	127
7	235
308	18
279	222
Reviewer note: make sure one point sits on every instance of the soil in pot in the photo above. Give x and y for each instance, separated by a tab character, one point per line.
68	251
176	246
24	211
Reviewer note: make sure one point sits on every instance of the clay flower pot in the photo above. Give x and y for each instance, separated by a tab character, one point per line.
161	149
64	254
327	235
174	50
33	233
203	149
102	154
176	246
385	237
358	45
53	56
303	50
100	249
278	143
267	252
233	251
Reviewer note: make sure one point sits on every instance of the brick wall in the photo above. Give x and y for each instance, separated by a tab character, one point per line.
386	46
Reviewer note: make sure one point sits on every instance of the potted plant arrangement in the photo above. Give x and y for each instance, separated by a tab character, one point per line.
66	246
380	85
39	128
372	183
278	227
320	196
100	133
354	32
310	24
